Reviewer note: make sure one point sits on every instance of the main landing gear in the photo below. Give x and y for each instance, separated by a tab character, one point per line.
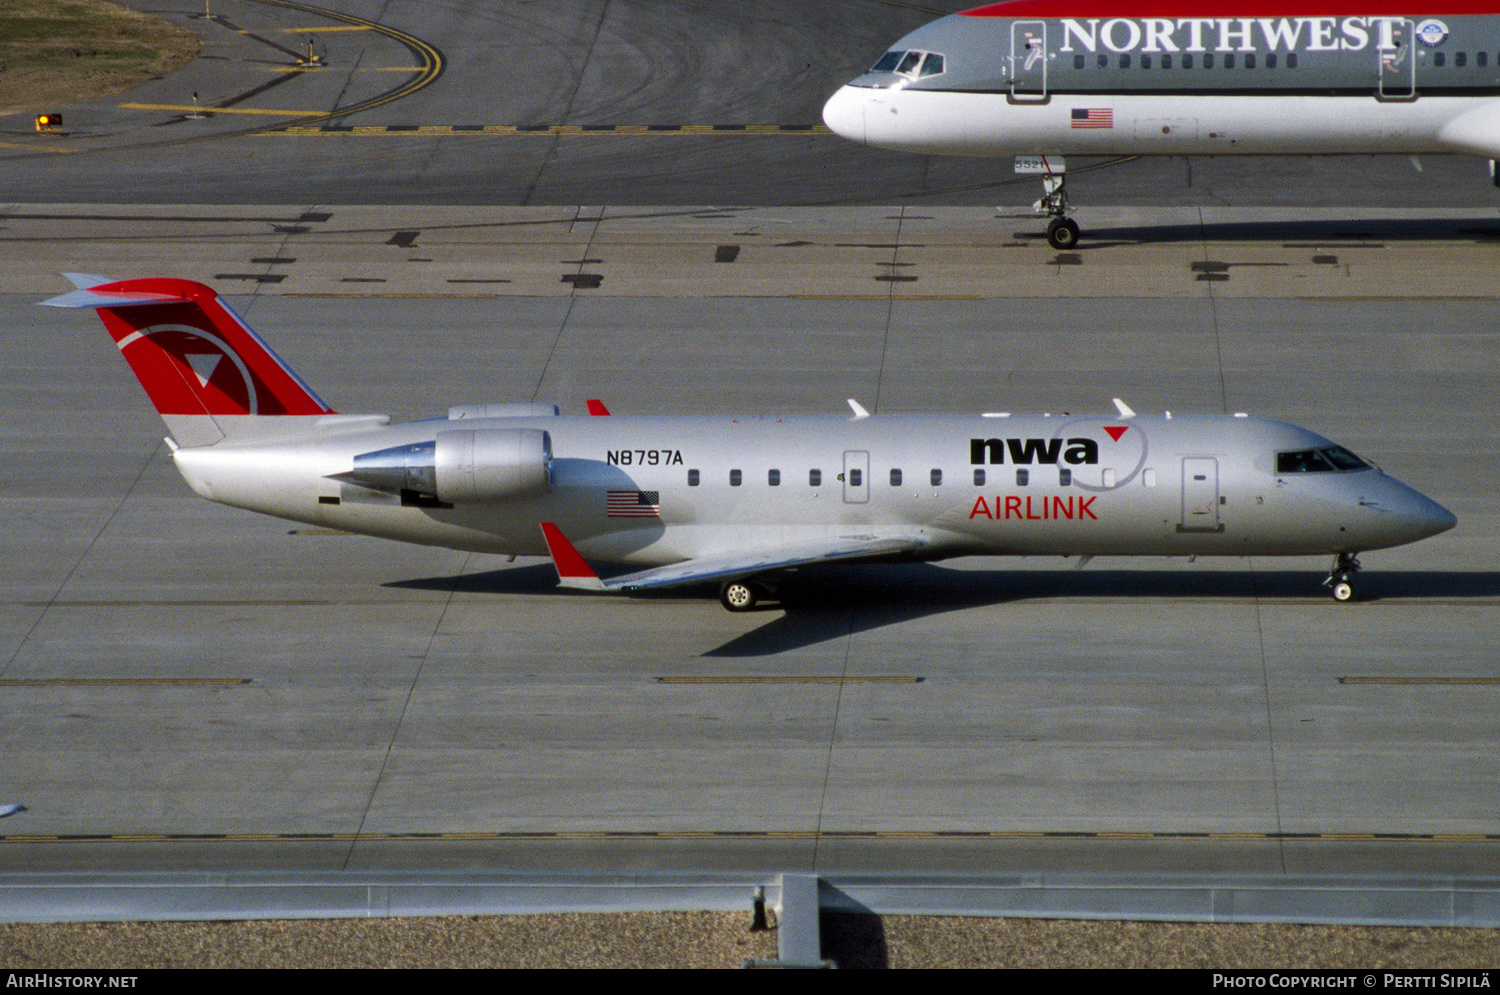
1340	582
741	595
1062	231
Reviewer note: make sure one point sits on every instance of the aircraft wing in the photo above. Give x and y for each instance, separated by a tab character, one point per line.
572	571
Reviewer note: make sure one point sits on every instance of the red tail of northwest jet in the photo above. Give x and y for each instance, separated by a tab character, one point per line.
208	373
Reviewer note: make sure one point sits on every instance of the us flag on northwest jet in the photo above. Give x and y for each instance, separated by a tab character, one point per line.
1092	117
632	504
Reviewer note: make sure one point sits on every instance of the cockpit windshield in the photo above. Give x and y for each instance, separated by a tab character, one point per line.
1330	459
913	65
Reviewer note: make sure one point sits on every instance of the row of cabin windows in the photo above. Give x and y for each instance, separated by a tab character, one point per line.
1461	59
1188	60
856	477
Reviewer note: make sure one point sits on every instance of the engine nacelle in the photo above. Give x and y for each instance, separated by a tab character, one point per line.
462	466
492	464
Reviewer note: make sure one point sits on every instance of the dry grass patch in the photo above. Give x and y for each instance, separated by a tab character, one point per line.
59	52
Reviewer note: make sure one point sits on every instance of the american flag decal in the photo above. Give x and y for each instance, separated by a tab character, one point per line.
632	504
1092	117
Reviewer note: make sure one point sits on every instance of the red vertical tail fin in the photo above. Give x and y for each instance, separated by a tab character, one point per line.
206	371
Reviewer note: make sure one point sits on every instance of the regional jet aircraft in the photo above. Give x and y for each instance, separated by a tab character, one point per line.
739	500
1042	79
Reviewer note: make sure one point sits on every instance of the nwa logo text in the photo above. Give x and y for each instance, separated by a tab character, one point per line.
1074	452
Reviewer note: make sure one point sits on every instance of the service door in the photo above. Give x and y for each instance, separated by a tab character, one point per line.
1028	60
856	476
1200	495
1397	61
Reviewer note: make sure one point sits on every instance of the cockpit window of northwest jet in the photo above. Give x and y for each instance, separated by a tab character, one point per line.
1043	79
740	501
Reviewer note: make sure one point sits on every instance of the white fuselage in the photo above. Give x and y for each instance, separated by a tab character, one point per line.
1244	77
1066	485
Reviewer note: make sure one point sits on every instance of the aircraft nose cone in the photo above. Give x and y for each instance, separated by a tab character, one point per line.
1437	519
1419	515
845	114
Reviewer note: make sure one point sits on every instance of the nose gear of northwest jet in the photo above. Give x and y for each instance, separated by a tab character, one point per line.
1062	231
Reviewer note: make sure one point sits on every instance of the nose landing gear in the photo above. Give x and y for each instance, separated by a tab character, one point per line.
1062	231
1340	582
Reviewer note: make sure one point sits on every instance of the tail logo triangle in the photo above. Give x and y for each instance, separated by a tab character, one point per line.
203	365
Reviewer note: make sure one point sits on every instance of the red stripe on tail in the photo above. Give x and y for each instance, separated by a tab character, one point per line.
194	355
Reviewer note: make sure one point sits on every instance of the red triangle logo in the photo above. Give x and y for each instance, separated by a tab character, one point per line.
1115	431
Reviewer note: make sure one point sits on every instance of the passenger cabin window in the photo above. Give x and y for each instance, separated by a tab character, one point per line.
1329	460
692	478
1460	59
1208	60
856	478
978	478
1166	62
1145	62
1078	62
1291	60
1481	58
1250	61
1187	61
735	477
773	477
937	478
1439	58
895	477
1270	60
1064	476
814	478
1023	477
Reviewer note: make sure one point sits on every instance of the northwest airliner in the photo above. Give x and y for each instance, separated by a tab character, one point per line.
1043	79
733	499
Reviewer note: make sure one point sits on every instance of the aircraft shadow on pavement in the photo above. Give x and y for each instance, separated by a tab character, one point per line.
826	603
1353	233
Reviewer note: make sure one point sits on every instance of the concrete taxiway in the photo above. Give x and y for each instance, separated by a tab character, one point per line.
189	687
196	686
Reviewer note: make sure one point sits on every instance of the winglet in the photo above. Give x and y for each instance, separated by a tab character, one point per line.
597	408
1123	409
572	571
859	409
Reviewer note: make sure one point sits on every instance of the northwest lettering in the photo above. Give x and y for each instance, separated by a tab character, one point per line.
1074	451
1229	34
